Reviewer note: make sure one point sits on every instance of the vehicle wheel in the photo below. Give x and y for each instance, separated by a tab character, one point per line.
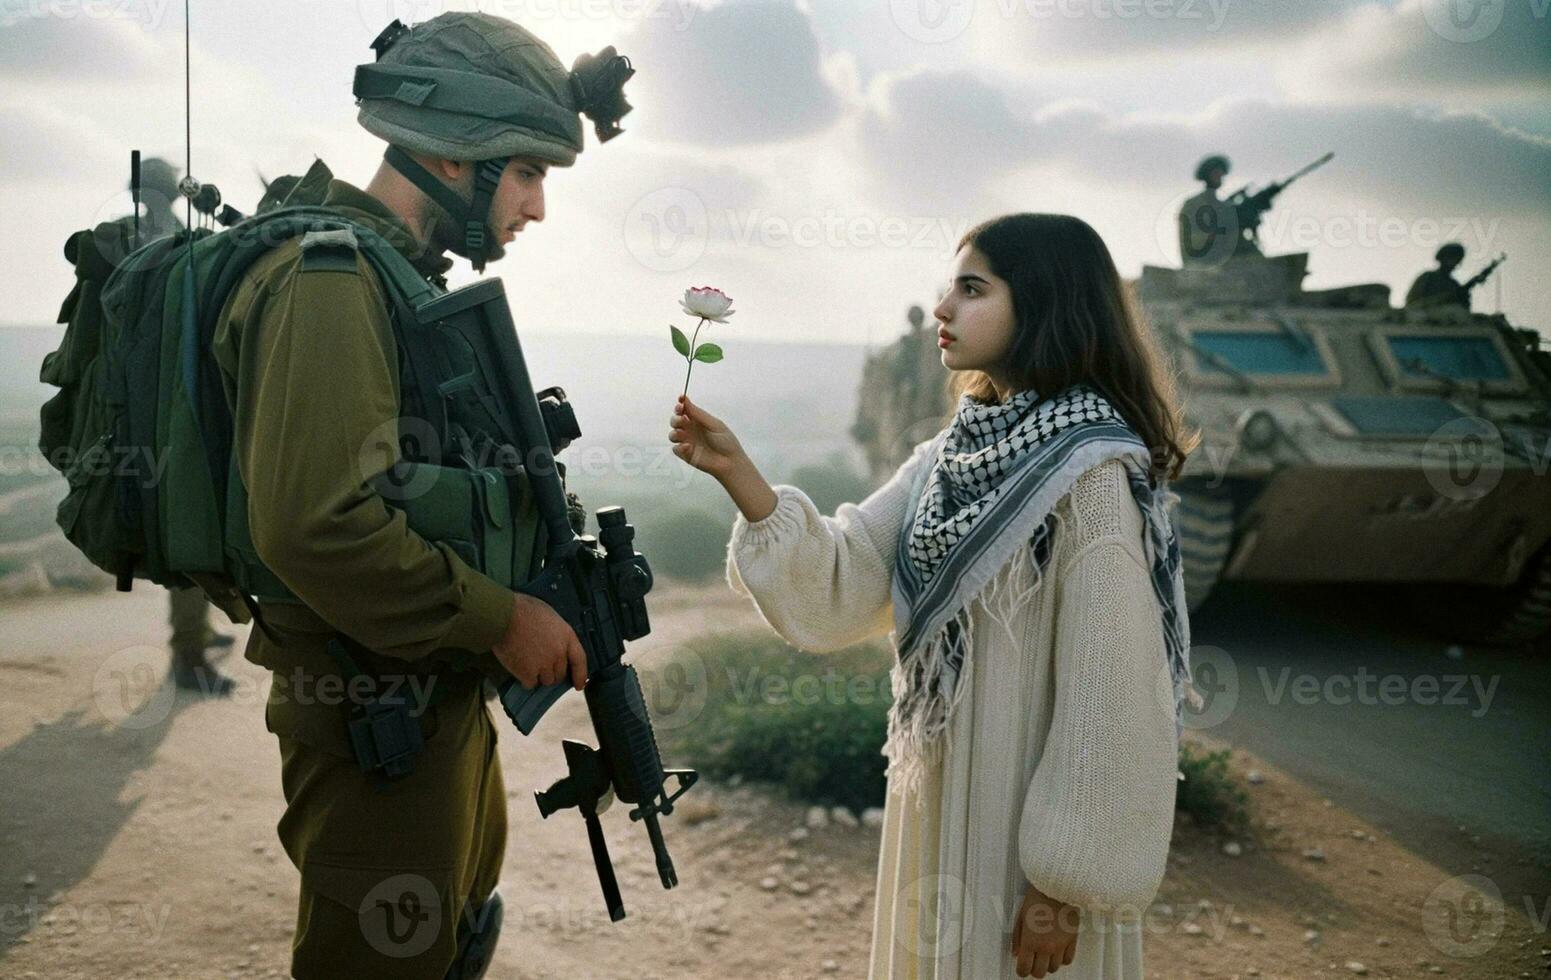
1203	520
1502	617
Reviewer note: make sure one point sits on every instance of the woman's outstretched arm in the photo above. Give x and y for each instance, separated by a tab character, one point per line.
823	583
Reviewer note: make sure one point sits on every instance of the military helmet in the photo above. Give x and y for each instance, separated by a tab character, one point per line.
1452	251
476	87
1214	162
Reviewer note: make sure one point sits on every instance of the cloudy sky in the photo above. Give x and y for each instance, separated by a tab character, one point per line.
819	158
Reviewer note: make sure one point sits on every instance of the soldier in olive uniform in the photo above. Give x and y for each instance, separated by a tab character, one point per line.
397	876
1209	226
1438	287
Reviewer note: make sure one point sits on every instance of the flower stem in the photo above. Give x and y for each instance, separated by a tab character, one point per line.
691	356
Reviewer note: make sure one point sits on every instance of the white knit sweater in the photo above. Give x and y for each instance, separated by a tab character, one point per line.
1060	762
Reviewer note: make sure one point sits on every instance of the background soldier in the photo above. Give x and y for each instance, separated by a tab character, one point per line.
1208	225
188	611
1438	287
397	874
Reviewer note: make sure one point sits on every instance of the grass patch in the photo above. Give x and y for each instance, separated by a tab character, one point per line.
1209	792
812	725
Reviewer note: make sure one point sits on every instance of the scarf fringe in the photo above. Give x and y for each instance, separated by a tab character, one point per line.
919	717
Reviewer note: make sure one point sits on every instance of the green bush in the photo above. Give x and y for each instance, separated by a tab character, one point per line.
1208	792
687	544
832	483
812	724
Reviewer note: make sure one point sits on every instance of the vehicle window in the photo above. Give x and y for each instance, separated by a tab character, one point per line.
1258	352
1456	358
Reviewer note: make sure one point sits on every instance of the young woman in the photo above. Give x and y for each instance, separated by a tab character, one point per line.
1025	562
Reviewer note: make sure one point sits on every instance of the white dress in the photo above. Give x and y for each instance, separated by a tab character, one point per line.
1061	758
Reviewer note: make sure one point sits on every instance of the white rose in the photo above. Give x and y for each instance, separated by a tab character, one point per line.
707	303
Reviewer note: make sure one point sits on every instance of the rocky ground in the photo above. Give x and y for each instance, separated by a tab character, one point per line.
137	840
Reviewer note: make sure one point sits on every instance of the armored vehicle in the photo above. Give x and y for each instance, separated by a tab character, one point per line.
1342	441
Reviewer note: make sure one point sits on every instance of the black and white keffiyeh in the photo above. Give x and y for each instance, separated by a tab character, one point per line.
987	499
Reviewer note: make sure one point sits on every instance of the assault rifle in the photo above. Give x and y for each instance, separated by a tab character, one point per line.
598	588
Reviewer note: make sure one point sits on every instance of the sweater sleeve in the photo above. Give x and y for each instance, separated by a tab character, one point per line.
824	583
1099	809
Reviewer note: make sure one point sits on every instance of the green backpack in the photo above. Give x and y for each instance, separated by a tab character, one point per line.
141	429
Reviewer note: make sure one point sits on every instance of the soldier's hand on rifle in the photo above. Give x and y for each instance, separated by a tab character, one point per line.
702	440
540	648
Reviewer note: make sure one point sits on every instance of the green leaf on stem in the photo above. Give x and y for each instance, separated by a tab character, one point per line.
708	353
680	342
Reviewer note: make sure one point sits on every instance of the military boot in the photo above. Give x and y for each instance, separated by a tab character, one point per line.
192	672
478	945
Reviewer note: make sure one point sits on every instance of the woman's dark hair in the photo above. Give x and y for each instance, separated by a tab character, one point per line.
1076	323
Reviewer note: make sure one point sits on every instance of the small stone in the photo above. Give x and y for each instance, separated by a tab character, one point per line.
1255	930
872	816
829	966
769	884
29	880
844	817
1232	849
1310	936
1313	854
817	818
697	811
1381	941
1236	921
1254	777
1353	966
789	854
797	834
800	887
735	780
1192	929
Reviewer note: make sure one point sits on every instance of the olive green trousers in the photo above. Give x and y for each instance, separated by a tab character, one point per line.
392	872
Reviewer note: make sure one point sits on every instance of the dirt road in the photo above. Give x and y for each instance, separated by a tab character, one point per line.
137	840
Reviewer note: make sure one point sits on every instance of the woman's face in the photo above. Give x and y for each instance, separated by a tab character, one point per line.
975	318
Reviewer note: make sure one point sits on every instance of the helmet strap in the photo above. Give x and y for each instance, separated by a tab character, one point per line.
471	214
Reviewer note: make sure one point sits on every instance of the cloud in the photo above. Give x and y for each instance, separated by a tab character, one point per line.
49	145
1450	52
1110	29
77	49
925	132
742	72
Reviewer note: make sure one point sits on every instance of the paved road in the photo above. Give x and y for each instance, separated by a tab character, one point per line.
1339	688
